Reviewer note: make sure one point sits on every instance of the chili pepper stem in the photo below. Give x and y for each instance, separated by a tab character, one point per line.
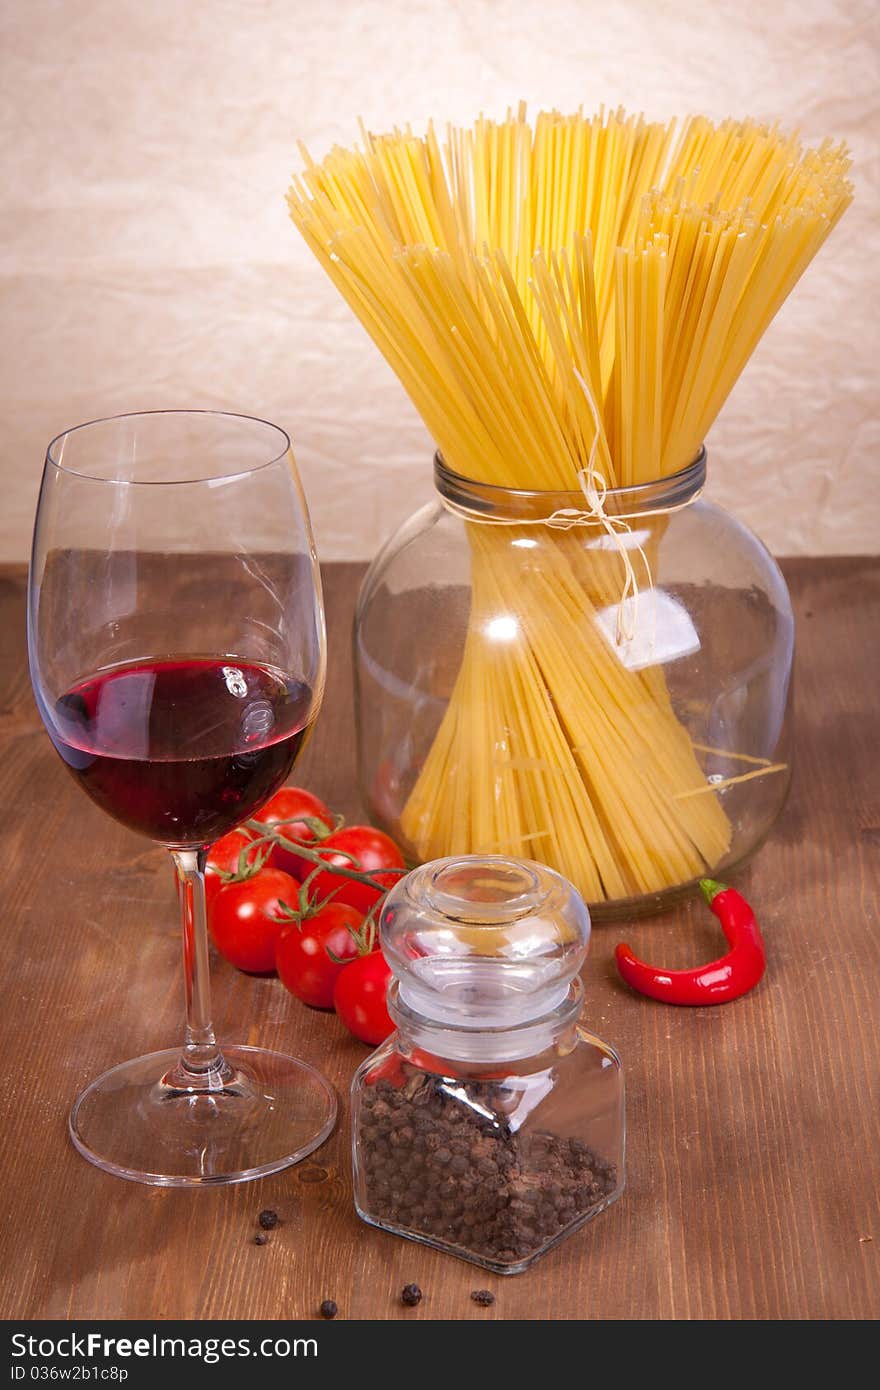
710	888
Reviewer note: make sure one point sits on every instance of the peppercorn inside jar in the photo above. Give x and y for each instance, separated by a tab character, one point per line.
490	1124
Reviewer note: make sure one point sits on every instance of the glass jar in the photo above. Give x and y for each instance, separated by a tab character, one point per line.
490	1124
512	698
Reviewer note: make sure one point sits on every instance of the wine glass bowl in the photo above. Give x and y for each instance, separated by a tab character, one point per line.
177	653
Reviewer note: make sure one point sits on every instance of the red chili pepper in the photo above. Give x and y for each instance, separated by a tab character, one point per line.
721	980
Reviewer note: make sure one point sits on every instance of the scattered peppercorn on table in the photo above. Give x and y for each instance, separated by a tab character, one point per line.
753	1159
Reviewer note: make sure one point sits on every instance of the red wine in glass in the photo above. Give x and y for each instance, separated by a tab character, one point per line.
182	750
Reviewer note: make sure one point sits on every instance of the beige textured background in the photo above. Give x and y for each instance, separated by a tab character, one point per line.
146	258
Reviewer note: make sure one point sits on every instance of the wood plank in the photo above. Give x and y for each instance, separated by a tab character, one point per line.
753	1130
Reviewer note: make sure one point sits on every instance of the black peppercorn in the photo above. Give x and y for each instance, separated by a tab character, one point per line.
261	1239
485	1297
328	1308
453	1169
411	1295
268	1219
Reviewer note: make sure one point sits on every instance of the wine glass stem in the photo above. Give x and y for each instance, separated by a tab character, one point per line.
201	1055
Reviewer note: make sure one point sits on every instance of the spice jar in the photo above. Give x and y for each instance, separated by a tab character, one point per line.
490	1124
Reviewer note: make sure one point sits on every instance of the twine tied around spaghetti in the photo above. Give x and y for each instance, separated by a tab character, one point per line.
595	490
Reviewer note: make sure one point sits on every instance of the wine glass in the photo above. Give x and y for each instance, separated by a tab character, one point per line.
177	653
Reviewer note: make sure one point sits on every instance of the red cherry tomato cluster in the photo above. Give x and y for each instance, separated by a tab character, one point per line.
295	892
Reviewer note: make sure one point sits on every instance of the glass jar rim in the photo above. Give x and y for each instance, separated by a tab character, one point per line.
526	504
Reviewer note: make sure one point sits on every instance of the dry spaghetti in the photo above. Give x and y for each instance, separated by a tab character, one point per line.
584	292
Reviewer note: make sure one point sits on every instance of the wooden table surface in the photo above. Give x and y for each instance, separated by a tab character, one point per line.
753	1144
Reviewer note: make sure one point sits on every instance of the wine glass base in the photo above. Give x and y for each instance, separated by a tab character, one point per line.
268	1112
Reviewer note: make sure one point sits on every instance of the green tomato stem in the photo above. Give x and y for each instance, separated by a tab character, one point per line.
265	834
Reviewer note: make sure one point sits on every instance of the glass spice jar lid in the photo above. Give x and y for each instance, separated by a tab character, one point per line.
484	940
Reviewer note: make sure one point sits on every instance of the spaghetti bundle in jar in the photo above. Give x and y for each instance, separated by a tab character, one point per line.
568	306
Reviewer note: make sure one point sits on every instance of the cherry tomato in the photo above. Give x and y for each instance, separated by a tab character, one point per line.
246	919
305	950
359	998
223	859
286	805
372	850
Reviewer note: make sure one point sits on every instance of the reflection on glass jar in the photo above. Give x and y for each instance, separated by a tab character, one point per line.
511	699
